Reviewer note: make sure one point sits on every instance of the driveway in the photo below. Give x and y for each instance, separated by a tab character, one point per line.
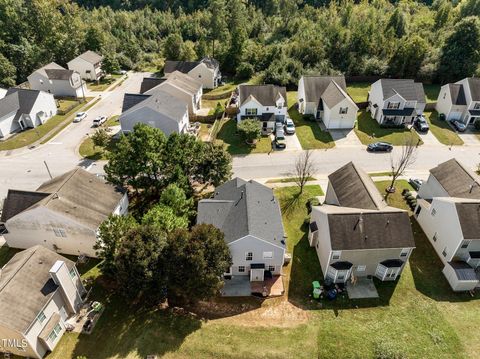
345	138
469	138
293	144
429	139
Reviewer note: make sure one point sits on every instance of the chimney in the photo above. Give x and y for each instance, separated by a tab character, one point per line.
68	286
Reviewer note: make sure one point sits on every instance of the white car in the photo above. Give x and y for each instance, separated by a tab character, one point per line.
99	121
289	126
80	116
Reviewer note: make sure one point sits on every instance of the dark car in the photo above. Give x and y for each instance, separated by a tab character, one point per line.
459	126
421	124
380	147
415	183
280	141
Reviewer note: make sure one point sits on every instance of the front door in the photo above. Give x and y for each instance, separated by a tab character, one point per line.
256	275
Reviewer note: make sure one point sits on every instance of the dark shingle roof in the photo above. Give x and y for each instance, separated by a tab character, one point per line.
315	86
241	208
469	216
354	188
18	201
26	286
59	74
457	94
149	83
182	66
267	95
457	180
408	89
379	230
474	84
131	99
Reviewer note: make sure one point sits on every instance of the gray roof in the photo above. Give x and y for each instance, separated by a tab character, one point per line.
474	84
19	100
457	94
182	66
354	188
370	230
316	86
457	180
26	286
149	83
469	216
18	201
240	208
91	57
59	74
408	89
463	271
210	62
267	95
132	99
77	194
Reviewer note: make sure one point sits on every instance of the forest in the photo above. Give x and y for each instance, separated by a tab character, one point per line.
279	40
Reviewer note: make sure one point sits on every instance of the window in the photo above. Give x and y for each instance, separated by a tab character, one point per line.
41	317
73	273
361	268
393	105
434	212
54	333
60	232
241	269
404	252
444	252
341	277
251	112
271	268
266	109
343	110
435	237
248	256
336	254
465	244
267	255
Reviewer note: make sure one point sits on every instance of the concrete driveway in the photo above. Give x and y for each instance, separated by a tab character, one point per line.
469	138
345	138
429	139
293	144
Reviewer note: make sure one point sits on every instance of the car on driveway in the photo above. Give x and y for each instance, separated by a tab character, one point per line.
421	124
380	147
99	120
280	141
459	126
415	183
289	127
80	116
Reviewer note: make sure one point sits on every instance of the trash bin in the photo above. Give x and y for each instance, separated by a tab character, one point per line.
316	289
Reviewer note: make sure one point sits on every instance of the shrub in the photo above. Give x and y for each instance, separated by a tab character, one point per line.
312	202
405	192
250	130
409	197
306	221
310	118
245	70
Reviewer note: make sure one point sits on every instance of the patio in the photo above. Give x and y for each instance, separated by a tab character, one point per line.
363	288
240	286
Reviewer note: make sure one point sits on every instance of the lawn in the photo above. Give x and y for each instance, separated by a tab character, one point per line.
212	104
309	134
368	131
88	150
431	92
65	105
358	91
234	142
395	199
112	121
103	84
442	130
43	132
226	90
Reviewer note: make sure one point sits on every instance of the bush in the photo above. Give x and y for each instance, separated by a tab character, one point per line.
312	202
306	221
250	130
309	118
405	192
409	197
245	70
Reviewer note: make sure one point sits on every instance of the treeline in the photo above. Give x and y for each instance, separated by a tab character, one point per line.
279	39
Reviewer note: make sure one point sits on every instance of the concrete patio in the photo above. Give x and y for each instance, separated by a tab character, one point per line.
240	286
363	288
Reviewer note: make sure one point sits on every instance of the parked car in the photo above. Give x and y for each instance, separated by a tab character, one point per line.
279	125
99	121
459	126
289	127
280	139
415	183
421	124
80	116
120	72
380	147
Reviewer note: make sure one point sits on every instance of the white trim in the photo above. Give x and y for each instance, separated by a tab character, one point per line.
259	239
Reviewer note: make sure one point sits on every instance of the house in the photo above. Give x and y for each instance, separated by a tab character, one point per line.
3	92
326	98
39	291
267	103
57	80
448	211
249	216
206	71
160	110
63	214
184	88
396	101
355	233
149	83
460	101
21	109
88	65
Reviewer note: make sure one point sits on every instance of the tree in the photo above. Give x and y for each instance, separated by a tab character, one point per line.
461	51
165	218
398	22
304	169
215	166
406	158
238	21
110	64
188	51
174	197
138	267
250	130
100	138
172	49
7	72
409	56
217	30
196	262
110	234
244	71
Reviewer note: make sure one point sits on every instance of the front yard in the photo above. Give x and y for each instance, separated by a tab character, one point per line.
88	150
103	83
444	133
368	131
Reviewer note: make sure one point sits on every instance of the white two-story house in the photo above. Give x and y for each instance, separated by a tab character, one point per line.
460	101
355	233
267	103
206	71
249	216
326	98
396	101
63	214
88	65
448	211
57	80
39	291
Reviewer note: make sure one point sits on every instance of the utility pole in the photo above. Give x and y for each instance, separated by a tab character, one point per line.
48	169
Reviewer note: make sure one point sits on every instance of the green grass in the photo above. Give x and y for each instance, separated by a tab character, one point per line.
103	84
380	174
395	199
442	130
309	134
43	132
65	105
212	104
288	180
368	131
6	253
234	142
358	91
88	150
431	92
112	121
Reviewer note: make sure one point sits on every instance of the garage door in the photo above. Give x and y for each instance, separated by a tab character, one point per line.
455	116
339	124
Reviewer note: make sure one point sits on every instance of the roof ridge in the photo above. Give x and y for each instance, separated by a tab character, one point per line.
62	184
360	175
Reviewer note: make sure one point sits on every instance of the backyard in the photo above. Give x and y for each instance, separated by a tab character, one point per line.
103	83
358	91
444	133
368	131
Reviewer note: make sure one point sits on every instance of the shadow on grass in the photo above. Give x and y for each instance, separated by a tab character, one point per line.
427	273
6	253
309	133
235	142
